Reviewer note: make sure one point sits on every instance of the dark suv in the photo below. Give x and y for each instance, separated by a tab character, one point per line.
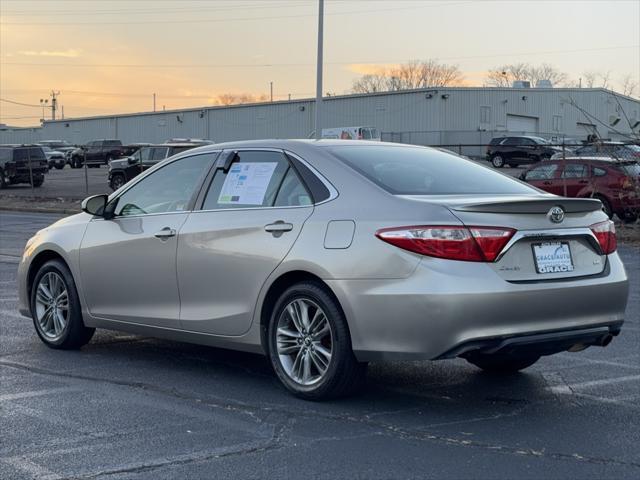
515	151
616	183
97	152
124	169
22	164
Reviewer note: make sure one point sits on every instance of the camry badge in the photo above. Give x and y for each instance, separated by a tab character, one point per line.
556	214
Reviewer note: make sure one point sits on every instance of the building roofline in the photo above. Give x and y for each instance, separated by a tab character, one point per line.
339	97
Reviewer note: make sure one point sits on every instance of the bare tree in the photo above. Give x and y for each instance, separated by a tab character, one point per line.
628	85
414	74
370	83
593	79
505	75
239	98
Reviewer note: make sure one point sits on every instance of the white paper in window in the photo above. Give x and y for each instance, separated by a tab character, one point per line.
247	183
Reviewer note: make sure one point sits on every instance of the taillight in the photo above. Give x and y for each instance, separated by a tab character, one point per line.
471	244
605	232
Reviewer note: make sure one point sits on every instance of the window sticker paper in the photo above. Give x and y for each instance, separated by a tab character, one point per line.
247	183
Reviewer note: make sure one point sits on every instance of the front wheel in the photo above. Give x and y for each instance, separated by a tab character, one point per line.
117	181
38	181
310	347
497	161
55	308
502	363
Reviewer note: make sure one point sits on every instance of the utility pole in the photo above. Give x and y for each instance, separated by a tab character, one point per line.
154	102
54	103
62	111
318	120
271	89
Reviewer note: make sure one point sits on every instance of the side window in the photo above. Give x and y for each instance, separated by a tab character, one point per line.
144	154
599	172
168	189
20	155
510	141
158	153
527	141
366	134
292	192
543	172
253	180
575	170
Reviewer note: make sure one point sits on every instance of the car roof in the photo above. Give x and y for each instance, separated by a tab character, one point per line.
592	159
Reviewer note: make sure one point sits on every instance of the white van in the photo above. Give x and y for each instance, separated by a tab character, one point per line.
352	133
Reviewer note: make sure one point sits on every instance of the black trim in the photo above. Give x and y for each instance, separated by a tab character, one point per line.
316	188
545	342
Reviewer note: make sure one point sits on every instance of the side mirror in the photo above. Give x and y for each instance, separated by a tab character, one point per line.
132	160
523	176
95	205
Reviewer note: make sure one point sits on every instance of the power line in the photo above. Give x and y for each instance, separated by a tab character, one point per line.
266	65
236	19
19	103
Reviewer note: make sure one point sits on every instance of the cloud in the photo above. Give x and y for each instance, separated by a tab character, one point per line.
370	68
69	53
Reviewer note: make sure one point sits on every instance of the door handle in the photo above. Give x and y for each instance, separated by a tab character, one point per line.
583	181
546	183
278	228
166	232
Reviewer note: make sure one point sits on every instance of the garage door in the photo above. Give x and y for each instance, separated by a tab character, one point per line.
522	124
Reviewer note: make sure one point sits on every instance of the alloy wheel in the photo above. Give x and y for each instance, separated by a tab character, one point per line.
304	341
52	305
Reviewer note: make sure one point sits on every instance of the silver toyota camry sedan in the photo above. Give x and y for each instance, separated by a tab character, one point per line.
327	255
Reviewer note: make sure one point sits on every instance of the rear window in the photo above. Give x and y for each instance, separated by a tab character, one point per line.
496	141
36	153
5	154
424	171
630	169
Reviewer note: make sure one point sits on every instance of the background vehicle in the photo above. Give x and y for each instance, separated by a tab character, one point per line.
518	150
55	158
616	183
58	145
350	133
21	163
96	153
273	247
617	150
124	169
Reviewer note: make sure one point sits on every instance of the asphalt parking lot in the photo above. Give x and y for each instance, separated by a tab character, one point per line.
133	407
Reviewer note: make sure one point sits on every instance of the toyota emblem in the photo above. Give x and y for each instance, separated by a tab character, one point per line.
556	214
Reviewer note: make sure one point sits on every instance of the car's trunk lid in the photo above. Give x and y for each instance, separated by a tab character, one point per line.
542	248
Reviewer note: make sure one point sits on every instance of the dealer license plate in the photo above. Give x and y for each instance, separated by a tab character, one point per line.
552	257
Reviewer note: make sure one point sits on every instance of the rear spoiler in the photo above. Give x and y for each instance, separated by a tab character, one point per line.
542	205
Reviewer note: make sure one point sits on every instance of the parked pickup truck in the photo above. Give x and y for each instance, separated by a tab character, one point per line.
22	164
96	153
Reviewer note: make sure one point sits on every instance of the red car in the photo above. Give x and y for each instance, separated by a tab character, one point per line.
615	183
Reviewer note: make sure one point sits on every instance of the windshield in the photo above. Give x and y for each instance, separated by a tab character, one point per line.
425	171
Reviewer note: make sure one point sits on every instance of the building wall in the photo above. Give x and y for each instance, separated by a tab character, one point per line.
441	116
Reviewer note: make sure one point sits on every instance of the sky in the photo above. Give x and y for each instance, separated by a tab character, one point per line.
111	56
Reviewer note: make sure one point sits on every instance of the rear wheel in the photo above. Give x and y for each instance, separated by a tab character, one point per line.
55	308
3	183
502	363
38	181
59	166
310	346
497	161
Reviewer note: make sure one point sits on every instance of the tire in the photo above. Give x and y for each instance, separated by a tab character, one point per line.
59	167
76	163
116	182
502	363
3	184
606	206
342	375
70	333
38	181
628	216
497	161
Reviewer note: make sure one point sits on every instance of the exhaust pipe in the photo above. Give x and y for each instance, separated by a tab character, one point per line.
602	341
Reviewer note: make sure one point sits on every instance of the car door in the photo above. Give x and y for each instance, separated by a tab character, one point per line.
544	177
249	220
508	150
574	178
93	151
527	151
128	263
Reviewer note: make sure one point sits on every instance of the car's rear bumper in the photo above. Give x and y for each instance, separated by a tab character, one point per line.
445	305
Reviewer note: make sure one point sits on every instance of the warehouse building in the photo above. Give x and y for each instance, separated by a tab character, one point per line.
437	116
